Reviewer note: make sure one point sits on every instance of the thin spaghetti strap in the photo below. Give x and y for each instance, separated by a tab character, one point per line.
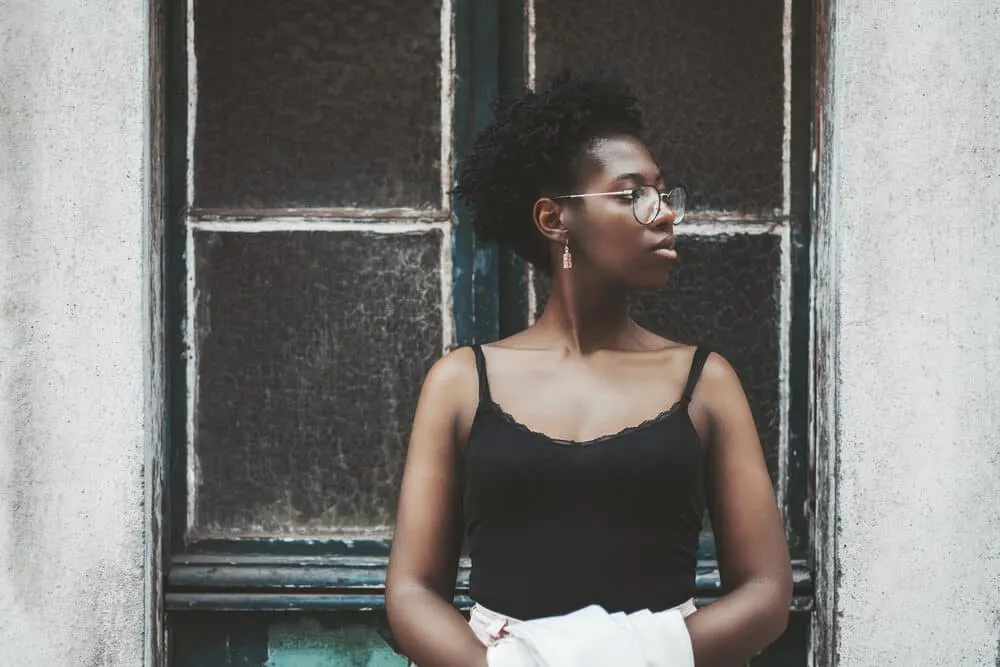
484	383
697	363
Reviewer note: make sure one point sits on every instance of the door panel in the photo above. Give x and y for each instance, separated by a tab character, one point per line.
317	270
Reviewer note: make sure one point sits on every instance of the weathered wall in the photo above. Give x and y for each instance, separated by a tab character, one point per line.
915	202
72	332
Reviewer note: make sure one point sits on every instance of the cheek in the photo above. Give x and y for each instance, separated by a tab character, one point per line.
616	242
620	249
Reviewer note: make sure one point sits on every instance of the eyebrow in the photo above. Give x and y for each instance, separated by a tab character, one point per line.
633	176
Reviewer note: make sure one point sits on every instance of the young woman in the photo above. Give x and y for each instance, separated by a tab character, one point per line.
578	456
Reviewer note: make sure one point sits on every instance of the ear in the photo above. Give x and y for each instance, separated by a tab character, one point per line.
548	216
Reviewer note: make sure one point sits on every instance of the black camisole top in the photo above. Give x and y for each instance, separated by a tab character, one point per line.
554	526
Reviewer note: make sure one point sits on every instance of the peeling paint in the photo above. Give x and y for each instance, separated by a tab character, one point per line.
306	643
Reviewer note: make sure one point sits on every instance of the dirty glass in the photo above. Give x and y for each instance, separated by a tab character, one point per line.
709	75
724	293
311	350
317	103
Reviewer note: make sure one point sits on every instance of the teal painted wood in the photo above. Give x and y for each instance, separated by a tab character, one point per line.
318	575
236	601
207	582
475	276
304	642
463	239
513	294
513	285
349	639
281	640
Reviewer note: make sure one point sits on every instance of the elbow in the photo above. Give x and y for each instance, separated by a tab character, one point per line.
396	593
779	601
778	621
772	599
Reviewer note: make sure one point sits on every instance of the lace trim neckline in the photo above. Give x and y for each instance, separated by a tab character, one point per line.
644	424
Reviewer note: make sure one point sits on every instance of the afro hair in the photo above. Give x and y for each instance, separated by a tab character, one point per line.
532	149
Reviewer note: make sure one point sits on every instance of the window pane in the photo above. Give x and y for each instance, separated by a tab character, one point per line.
305	103
724	293
710	76
312	347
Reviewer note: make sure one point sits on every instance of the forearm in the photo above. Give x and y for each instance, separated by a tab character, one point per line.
430	630
740	624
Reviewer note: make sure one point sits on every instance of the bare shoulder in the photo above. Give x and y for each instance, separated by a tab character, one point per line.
451	391
718	376
719	403
453	375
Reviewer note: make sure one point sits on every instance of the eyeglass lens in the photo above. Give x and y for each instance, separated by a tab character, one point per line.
647	201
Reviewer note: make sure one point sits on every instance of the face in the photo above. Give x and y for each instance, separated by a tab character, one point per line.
604	235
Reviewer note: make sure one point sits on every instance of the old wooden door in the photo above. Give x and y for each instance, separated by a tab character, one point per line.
317	268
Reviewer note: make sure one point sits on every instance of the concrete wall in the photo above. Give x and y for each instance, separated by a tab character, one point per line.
915	211
911	268
73	336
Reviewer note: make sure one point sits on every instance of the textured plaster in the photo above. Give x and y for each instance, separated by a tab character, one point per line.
916	201
72	332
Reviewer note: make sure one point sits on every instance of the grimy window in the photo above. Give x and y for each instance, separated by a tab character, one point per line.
317	266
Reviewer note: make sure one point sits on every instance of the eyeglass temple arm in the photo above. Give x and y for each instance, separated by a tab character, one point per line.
595	194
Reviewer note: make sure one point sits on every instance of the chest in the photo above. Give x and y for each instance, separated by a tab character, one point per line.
654	464
582	404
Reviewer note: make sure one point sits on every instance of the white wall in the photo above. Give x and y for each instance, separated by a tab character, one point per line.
914	178
72	332
915	203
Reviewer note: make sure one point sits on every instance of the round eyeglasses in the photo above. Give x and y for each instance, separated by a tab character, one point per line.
647	201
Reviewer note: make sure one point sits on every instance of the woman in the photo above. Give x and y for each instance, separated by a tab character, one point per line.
578	456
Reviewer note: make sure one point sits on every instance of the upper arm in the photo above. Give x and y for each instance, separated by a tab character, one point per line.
428	535
749	536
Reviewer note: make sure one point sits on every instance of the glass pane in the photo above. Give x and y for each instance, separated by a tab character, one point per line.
312	347
308	103
724	293
710	75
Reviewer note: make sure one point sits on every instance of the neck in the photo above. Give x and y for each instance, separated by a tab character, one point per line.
585	315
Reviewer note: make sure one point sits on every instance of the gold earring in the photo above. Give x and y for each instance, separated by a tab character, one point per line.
567	257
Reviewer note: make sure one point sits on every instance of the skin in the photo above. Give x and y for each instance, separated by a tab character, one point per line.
583	370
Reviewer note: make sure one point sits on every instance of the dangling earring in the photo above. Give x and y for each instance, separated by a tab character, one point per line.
567	257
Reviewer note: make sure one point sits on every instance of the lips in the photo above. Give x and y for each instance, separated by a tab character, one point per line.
667	243
665	248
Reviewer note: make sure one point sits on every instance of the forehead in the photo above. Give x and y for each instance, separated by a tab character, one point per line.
612	156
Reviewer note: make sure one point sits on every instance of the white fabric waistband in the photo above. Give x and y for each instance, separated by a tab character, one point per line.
490	625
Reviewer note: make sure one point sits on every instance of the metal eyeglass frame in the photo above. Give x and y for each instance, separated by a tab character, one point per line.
635	198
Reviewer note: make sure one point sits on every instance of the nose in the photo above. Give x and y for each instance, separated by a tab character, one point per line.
664	217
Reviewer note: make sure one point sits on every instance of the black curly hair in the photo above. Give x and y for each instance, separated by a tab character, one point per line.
532	149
